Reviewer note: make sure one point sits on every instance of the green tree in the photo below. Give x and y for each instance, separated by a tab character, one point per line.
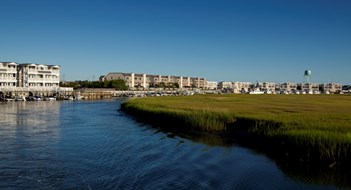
119	84
162	85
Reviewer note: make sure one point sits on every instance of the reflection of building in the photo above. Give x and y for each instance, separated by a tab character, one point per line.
32	119
134	80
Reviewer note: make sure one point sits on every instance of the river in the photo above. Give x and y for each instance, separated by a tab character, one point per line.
92	145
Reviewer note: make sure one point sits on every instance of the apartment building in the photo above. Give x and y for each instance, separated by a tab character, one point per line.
267	86
8	74
241	87
331	87
310	87
29	75
135	80
288	87
211	85
225	85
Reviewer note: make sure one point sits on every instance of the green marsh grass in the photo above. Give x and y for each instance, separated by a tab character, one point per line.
317	124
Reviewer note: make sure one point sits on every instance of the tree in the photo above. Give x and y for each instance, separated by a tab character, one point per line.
162	85
119	84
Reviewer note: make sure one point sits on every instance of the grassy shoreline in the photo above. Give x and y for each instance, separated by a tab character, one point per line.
306	127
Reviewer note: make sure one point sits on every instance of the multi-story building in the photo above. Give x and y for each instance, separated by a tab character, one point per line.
241	87
267	86
225	85
310	87
331	87
288	87
134	80
8	74
26	79
211	85
38	76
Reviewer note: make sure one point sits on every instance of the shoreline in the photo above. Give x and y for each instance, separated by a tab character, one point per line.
264	134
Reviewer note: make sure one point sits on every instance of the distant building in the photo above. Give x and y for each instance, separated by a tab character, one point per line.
241	87
331	87
134	80
212	85
267	86
288	87
310	87
225	85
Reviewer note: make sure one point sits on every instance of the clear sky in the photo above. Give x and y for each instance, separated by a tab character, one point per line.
221	40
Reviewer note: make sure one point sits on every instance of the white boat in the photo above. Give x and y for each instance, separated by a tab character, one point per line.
49	98
256	91
20	98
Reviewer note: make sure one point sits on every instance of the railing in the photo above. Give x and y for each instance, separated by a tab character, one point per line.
8	79
35	88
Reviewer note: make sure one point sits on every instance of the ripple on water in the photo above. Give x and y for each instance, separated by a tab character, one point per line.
90	145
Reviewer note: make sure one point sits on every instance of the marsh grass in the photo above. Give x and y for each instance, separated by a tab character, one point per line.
318	124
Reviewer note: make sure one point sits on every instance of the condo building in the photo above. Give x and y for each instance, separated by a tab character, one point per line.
29	75
134	80
267	86
310	87
8	74
212	85
35	75
288	87
331	87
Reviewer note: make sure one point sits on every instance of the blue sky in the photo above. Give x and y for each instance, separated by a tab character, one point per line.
221	40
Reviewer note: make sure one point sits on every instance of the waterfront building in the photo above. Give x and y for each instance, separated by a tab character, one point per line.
38	76
331	87
288	87
8	74
211	85
225	85
135	80
25	79
310	87
241	87
267	86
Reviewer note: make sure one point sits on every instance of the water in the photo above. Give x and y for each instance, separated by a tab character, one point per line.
91	145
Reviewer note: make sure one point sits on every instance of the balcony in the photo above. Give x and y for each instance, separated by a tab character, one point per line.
8	79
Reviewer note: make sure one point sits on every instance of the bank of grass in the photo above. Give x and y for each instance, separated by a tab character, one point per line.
317	125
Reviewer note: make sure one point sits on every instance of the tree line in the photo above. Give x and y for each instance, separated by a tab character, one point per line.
118	84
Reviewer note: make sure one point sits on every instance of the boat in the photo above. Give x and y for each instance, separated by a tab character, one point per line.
256	91
20	98
49	98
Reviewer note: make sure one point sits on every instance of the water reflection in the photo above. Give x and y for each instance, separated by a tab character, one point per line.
91	145
301	171
30	119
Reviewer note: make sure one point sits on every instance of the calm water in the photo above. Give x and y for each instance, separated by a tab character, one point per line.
91	145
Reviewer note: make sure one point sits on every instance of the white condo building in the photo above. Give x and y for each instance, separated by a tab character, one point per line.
29	76
211	85
38	76
8	74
